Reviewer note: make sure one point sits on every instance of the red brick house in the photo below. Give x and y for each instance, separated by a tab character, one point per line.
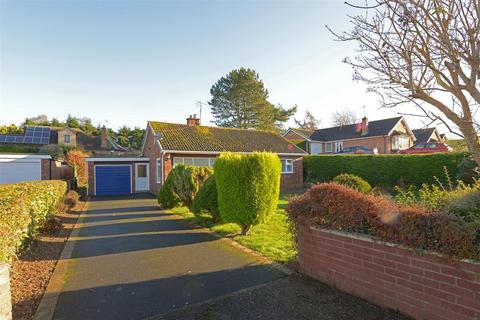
386	135
168	144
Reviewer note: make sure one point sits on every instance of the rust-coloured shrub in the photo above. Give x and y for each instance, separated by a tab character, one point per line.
71	200
341	208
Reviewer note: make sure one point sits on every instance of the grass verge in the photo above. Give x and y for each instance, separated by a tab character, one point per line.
272	238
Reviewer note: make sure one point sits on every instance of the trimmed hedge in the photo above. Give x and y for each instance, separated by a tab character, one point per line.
338	207
385	170
354	182
206	199
248	187
166	197
24	208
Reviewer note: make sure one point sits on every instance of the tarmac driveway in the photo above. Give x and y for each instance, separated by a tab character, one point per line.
132	261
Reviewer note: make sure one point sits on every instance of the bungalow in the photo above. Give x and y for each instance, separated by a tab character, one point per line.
386	135
167	144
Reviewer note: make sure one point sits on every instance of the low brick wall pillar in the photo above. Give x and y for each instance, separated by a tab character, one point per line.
424	286
5	298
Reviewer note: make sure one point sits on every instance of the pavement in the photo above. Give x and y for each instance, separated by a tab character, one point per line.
131	260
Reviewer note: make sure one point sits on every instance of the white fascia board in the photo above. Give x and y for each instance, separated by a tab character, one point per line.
25	156
219	152
116	159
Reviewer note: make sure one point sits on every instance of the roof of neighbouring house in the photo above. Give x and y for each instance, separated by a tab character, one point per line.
85	141
423	135
375	128
303	132
181	137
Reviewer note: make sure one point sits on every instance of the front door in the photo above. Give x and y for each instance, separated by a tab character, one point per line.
141	177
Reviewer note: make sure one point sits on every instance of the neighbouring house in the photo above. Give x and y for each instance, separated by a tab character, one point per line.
427	135
168	144
386	135
16	168
21	167
72	137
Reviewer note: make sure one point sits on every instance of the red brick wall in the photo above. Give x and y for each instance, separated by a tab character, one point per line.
45	169
422	286
291	181
381	143
90	178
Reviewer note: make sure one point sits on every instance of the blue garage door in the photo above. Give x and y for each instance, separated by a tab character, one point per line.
112	180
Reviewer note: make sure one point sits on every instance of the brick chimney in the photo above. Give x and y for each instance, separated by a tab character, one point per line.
364	126
193	121
103	143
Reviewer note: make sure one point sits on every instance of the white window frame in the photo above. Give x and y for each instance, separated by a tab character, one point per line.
288	164
338	146
158	164
211	161
397	145
328	147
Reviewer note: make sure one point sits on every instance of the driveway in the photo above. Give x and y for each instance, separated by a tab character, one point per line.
132	261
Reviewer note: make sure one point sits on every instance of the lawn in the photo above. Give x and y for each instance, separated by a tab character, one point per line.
272	238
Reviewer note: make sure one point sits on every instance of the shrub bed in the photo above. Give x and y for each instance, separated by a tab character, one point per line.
24	208
248	187
341	208
386	170
186	180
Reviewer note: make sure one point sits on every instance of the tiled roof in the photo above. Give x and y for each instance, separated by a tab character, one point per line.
375	128
180	137
303	132
423	135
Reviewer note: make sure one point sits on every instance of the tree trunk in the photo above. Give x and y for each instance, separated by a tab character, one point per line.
471	139
245	230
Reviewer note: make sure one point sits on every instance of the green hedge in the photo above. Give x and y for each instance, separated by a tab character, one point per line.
384	170
24	208
187	180
248	187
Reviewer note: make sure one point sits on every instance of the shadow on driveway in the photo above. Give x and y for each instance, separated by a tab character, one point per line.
131	260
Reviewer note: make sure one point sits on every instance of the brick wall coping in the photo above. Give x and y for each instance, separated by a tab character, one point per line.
369	238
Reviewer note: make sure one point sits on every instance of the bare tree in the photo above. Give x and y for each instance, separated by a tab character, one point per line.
426	52
309	122
344	117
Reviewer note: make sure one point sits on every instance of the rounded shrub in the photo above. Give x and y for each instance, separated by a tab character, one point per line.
354	182
166	197
248	187
186	181
206	199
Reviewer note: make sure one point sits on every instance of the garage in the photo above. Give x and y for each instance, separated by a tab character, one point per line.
16	168
110	176
113	180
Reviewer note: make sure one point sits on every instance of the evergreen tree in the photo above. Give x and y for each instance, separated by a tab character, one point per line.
240	100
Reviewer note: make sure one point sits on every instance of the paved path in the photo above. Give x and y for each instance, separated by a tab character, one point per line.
132	261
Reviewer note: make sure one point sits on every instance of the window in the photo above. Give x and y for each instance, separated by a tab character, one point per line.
66	138
400	142
287	165
197	162
142	171
316	147
159	171
328	147
339	146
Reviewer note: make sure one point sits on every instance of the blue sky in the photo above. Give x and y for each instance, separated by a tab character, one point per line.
126	62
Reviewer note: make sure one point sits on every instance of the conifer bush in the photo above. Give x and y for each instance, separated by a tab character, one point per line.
354	182
166	197
248	187
206	199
